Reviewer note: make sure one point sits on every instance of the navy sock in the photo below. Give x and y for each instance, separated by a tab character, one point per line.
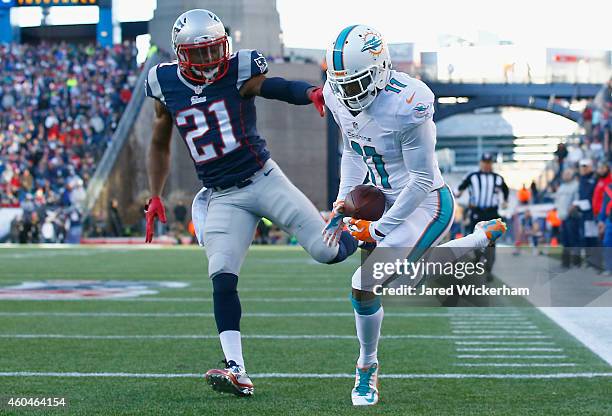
226	302
347	246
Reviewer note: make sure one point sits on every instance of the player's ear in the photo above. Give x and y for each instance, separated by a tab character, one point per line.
252	87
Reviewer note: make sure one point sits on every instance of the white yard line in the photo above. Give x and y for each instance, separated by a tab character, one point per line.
526	357
215	337
311	375
511	349
515	364
203	314
493	331
504	343
500	320
186	299
493	328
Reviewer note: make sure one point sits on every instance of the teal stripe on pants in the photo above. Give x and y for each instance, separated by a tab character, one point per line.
437	226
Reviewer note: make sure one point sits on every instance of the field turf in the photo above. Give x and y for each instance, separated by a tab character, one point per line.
146	355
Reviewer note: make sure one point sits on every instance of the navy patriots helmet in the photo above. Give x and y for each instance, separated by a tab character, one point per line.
201	46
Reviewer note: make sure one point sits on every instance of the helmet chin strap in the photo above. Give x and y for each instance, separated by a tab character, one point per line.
206	76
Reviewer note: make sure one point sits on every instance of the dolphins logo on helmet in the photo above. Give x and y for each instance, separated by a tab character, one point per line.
373	43
358	66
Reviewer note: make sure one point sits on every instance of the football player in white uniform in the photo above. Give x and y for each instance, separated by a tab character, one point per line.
389	138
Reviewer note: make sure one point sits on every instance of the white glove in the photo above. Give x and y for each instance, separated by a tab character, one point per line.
333	228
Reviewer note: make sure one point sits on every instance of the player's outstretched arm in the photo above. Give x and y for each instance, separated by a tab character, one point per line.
292	92
158	167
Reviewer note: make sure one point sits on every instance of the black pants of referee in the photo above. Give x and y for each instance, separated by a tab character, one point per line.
482	214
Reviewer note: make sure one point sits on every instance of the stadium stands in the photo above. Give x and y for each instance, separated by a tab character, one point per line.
60	104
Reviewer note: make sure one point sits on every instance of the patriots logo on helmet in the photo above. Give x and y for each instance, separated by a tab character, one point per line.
178	26
372	43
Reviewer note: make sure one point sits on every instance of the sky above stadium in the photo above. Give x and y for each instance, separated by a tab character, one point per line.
581	24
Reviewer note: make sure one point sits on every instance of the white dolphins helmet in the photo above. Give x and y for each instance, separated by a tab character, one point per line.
358	66
201	46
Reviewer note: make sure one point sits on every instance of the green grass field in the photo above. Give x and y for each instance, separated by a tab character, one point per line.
146	355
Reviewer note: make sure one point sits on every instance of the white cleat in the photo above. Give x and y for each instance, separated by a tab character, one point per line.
365	392
232	379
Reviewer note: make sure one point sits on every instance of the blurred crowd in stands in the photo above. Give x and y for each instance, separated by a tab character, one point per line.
581	191
60	104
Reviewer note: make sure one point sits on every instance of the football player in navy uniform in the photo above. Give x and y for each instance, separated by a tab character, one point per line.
209	94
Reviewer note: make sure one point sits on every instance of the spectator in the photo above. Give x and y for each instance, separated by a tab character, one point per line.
523	195
180	213
535	195
569	216
587	119
554	222
561	153
603	179
588	226
114	219
605	227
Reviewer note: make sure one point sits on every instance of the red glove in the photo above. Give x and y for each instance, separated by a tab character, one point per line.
154	208
316	96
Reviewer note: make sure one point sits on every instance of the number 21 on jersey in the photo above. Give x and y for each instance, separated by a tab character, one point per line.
195	117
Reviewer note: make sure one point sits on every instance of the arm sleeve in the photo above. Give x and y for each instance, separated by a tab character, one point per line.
292	92
250	64
418	149
153	87
465	183
504	188
353	170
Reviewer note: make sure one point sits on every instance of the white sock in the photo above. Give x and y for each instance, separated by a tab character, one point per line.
478	239
232	346
368	333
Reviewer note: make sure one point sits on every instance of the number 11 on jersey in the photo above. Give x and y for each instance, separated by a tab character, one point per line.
379	164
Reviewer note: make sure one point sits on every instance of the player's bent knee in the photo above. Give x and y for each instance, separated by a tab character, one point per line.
362	294
320	252
366	304
222	263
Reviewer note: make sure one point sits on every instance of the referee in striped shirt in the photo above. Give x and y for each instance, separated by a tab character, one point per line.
484	187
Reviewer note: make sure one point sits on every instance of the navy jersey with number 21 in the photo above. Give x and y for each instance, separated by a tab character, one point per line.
216	123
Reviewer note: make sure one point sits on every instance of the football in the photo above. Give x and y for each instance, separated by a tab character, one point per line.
365	202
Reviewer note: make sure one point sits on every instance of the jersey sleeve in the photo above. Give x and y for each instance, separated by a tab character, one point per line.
330	101
153	87
415	106
250	64
418	152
